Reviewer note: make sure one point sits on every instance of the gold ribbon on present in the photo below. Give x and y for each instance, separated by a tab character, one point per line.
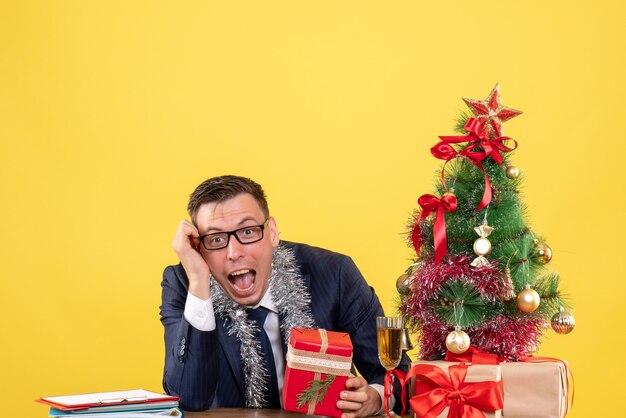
319	363
566	373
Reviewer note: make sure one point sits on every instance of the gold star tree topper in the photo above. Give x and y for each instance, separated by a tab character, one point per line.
491	113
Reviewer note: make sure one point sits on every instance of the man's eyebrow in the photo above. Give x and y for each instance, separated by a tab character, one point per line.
214	230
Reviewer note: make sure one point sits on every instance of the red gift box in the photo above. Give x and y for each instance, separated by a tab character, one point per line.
316	359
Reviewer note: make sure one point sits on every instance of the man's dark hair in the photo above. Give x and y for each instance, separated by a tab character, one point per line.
220	189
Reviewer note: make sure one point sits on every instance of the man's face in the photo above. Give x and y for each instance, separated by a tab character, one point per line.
242	270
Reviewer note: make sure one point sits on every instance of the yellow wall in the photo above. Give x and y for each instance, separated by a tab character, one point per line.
112	112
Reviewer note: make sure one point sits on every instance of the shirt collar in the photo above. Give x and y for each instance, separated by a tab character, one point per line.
267	301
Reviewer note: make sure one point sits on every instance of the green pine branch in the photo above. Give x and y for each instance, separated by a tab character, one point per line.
551	299
460	122
315	391
460	304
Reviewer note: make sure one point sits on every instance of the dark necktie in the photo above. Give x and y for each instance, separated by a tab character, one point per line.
259	315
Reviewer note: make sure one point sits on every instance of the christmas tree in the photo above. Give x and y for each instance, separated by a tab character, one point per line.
479	277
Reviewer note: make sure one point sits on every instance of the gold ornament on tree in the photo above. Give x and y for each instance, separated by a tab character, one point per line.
457	341
528	300
512	172
482	246
562	322
406	340
402	284
491	113
543	252
509	293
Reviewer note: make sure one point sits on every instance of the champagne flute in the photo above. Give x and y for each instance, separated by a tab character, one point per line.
389	331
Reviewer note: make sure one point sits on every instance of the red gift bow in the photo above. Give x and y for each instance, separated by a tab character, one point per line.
475	356
435	390
388	390
431	204
477	140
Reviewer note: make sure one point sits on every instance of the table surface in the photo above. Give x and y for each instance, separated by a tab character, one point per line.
248	413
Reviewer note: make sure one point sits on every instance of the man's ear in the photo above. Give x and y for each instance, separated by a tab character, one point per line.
273	230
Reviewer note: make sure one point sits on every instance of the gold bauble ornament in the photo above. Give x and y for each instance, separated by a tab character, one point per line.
562	322
457	342
403	284
512	172
528	300
543	252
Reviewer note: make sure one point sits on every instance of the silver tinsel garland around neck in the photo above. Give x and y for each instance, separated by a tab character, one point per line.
292	300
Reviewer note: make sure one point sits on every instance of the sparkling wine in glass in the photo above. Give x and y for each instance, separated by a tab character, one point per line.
389	330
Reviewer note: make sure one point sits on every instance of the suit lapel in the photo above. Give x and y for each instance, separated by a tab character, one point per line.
231	346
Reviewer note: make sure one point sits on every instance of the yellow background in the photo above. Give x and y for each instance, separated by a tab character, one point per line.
112	112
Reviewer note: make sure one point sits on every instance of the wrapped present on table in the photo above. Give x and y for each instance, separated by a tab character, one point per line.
318	365
447	389
535	388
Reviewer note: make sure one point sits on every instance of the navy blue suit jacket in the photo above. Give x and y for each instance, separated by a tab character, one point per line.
204	367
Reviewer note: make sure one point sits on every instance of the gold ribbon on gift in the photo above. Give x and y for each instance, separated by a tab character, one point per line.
318	363
566	377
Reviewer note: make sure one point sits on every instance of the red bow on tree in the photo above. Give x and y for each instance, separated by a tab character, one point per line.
480	147
435	390
432	204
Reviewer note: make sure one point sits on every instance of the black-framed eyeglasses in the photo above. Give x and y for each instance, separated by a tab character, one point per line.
245	235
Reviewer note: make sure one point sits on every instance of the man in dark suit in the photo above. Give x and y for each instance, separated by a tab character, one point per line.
229	306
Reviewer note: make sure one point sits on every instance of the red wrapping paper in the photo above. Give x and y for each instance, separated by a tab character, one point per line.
312	350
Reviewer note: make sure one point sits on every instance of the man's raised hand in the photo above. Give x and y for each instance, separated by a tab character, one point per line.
187	245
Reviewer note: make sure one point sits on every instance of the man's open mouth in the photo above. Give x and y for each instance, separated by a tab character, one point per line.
242	280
